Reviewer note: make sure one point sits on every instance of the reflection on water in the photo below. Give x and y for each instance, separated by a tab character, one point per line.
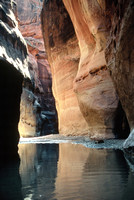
74	172
91	174
38	170
67	172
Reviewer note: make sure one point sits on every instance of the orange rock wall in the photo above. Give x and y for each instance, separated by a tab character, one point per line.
97	97
80	75
63	54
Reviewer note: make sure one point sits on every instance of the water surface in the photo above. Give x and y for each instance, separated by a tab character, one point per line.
67	172
74	172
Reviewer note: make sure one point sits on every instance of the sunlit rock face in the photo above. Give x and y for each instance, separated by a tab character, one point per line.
81	79
63	54
30	26
120	56
13	68
93	86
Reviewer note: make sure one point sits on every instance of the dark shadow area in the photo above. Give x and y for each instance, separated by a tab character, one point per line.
10	91
121	125
10	181
49	123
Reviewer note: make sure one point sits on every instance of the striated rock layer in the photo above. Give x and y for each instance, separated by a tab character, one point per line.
86	99
30	26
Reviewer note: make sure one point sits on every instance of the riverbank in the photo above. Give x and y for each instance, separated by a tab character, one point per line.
84	140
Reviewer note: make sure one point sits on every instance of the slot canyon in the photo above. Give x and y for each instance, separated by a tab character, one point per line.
80	83
67	99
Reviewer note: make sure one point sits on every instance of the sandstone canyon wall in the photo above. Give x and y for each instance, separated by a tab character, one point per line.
86	99
63	54
120	56
13	68
97	98
30	26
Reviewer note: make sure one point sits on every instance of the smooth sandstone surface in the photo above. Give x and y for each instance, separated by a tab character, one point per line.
103	79
63	55
94	88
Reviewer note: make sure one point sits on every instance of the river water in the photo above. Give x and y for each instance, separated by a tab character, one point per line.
67	172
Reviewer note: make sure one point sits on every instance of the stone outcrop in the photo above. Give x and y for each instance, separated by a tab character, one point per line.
30	26
86	99
13	68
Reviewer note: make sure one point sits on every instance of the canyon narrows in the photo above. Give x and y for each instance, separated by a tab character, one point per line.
42	120
67	67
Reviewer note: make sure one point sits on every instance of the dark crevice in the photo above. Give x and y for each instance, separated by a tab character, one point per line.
121	125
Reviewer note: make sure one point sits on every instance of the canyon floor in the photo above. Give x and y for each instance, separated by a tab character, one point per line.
84	140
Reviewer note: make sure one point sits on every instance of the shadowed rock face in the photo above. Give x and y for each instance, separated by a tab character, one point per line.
120	56
81	79
13	67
